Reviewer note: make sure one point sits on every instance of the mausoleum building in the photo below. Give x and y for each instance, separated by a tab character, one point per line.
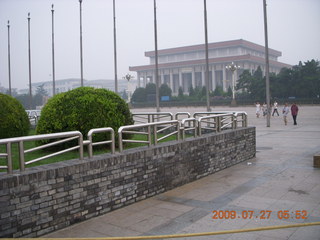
185	66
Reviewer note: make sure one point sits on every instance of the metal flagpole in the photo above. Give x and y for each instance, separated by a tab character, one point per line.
53	65
267	63
81	56
9	64
29	52
115	49
207	56
156	57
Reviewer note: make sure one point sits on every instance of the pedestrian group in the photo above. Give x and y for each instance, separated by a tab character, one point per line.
285	111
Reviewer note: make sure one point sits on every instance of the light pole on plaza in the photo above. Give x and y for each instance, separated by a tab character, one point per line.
9	66
115	48
53	65
233	67
207	55
81	56
128	77
156	57
29	54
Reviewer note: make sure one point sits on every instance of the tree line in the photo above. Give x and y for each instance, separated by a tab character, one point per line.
300	81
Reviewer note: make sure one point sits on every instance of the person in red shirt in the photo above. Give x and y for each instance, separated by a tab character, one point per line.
294	113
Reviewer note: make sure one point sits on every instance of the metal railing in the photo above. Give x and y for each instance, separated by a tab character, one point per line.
216	123
69	136
149	130
149	117
90	142
242	118
202	122
189	125
179	114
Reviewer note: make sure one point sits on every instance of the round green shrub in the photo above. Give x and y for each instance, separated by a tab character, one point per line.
82	109
14	121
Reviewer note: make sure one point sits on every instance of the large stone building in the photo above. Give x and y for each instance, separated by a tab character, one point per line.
185	66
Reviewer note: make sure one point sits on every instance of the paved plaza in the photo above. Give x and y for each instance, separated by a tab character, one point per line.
280	180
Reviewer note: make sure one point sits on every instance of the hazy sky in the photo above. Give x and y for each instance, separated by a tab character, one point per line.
293	29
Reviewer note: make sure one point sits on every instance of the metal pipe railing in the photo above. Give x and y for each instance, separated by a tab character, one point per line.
212	121
91	143
216	122
149	117
185	128
152	129
178	114
21	140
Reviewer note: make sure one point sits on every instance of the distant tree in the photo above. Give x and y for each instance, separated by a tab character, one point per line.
139	95
41	91
229	93
191	91
180	93
165	90
218	91
151	88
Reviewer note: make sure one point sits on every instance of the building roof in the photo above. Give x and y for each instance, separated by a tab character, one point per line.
216	45
229	59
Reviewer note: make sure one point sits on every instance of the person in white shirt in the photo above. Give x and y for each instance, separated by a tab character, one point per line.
285	112
258	109
275	108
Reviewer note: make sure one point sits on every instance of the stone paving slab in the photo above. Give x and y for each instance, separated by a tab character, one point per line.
281	177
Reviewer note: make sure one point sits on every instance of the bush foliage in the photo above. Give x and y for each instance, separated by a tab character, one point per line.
14	121
83	109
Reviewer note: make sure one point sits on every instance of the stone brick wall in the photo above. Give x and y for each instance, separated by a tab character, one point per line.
54	196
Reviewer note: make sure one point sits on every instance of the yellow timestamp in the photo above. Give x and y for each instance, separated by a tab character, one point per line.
262	214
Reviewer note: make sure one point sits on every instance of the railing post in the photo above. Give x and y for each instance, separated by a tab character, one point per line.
183	131
234	121
90	147
9	158
80	146
245	121
120	140
178	130
113	148
218	123
149	136
155	135
21	156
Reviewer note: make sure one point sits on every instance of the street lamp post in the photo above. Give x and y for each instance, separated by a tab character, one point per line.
128	77
232	67
81	57
53	66
9	66
29	53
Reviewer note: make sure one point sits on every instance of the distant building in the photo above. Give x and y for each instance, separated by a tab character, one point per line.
65	85
185	66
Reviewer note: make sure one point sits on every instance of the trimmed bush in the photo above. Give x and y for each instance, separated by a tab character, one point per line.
83	109
14	121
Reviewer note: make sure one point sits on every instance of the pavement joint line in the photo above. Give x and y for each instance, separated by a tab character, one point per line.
268	228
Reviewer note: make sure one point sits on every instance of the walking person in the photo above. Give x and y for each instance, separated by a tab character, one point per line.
264	109
294	113
285	112
275	108
258	109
